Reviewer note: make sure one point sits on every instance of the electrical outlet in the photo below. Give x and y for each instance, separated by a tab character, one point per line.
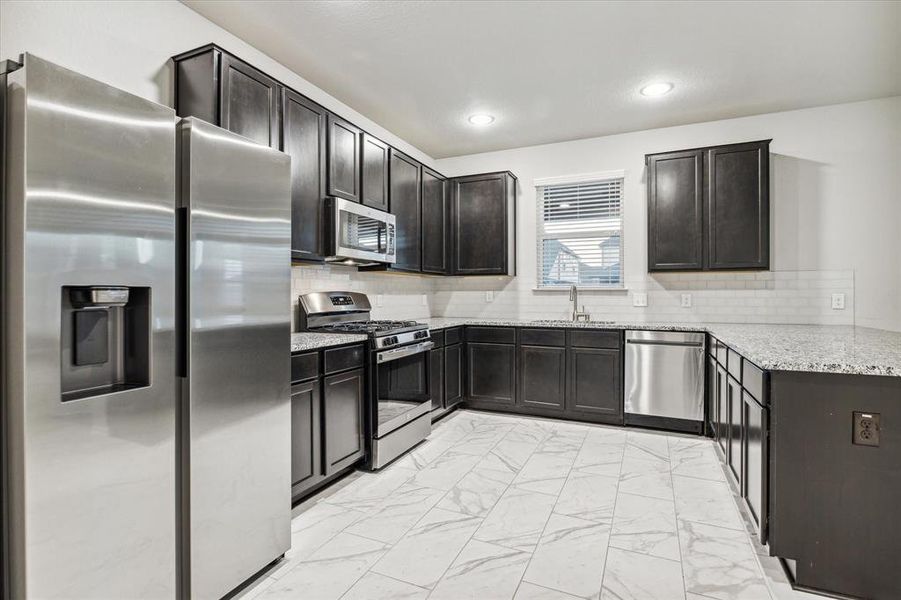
686	300
639	299
378	300
424	300
866	429
838	302
489	296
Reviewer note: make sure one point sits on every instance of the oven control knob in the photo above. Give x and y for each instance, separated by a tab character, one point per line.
421	334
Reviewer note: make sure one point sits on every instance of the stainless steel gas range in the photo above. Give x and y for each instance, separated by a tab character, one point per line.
398	406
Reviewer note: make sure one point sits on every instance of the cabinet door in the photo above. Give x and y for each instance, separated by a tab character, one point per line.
712	391
542	377
404	200
342	409
306	442
303	139
738	206
755	461
675	211
435	236
492	372
343	159
374	186
735	429
453	375
722	409
436	377
248	102
595	384
482	212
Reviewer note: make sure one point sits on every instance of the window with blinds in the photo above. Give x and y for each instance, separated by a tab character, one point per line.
580	234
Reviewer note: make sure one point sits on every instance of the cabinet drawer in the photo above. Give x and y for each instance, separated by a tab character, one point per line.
453	335
752	379
497	335
341	359
438	338
595	339
734	365
712	346
721	351
304	366
542	337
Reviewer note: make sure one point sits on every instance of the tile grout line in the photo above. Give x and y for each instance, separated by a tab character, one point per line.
441	578
676	522
613	517
442	497
550	514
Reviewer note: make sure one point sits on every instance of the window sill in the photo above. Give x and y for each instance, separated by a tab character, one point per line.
589	290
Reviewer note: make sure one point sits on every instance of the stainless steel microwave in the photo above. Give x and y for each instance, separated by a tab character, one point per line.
357	234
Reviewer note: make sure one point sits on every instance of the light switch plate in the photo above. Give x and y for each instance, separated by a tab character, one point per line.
838	302
639	299
686	300
424	300
489	296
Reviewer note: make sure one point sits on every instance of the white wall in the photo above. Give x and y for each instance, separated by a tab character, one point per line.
128	44
836	220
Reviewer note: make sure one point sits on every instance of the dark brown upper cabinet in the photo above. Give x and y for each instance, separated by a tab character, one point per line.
708	208
483	224
738	206
343	159
405	189
221	89
435	214
374	185
675	211
304	140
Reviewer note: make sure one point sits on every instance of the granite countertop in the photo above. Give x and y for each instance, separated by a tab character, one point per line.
809	348
312	341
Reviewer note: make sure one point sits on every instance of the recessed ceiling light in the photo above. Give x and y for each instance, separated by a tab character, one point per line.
481	120
657	89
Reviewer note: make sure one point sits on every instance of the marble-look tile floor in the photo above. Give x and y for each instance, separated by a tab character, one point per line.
503	507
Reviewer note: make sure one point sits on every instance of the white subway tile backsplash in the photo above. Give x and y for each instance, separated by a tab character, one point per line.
770	296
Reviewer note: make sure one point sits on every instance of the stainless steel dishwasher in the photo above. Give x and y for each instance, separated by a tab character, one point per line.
665	380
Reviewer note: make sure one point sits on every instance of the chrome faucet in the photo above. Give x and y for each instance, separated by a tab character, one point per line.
577	314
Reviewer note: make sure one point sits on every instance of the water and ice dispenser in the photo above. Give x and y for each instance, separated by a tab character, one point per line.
105	340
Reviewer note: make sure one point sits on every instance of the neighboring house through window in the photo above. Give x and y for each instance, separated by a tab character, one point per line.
580	224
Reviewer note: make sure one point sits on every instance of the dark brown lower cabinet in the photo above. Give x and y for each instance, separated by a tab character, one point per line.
492	373
712	390
545	372
722	409
755	460
453	375
436	378
595	383
735	429
342	408
306	443
542	377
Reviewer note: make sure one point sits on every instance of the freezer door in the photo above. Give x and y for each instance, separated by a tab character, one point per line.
235	425
90	204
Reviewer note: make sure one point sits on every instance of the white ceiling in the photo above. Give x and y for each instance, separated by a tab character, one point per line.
555	71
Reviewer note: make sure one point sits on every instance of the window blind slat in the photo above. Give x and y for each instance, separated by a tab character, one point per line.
580	234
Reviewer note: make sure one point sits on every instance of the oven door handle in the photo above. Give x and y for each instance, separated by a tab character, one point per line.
396	353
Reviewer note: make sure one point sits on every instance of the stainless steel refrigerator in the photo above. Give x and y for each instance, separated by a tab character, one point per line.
145	346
